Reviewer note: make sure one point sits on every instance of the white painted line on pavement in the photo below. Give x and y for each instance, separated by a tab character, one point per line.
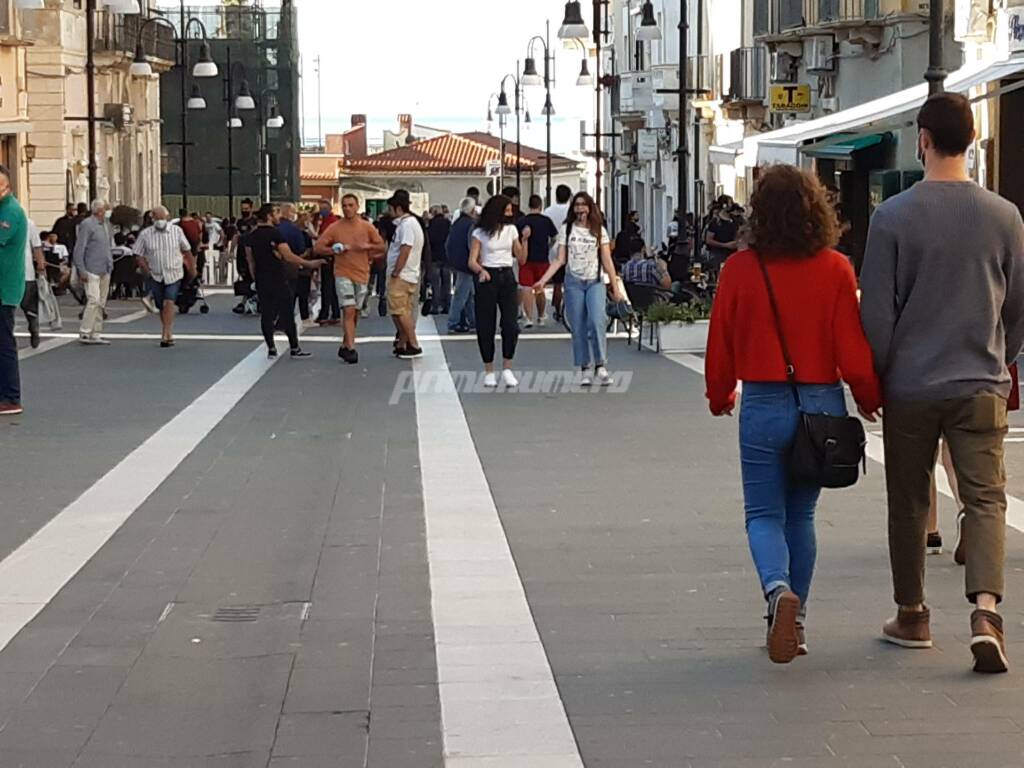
67	337
56	340
499	702
876	452
37	570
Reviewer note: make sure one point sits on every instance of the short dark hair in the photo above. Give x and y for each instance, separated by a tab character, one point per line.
264	212
510	192
791	216
400	200
562	193
473	192
350	196
247	201
536	201
82	208
948	119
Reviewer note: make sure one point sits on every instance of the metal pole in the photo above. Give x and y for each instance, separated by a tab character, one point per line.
597	105
90	90
184	110
231	161
501	152
696	112
547	91
519	146
319	113
681	155
936	73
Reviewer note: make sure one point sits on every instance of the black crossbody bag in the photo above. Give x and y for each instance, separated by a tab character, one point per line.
829	451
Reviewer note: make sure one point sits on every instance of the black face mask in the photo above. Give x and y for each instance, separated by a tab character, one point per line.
246	214
509	219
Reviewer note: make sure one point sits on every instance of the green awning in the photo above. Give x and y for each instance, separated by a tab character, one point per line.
842	146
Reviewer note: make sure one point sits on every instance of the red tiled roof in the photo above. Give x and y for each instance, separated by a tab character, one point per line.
451	153
318	176
537	156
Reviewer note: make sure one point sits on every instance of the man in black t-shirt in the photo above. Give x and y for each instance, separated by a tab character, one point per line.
722	233
245	224
540	231
266	251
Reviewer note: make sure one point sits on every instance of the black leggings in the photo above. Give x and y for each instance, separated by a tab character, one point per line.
277	312
302	286
501	292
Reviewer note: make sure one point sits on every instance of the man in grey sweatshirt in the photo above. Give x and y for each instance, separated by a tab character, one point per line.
94	261
943	308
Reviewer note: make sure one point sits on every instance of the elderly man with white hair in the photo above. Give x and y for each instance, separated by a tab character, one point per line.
462	311
94	261
164	254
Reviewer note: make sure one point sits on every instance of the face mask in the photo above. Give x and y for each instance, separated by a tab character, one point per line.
108	215
160	224
509	219
918	153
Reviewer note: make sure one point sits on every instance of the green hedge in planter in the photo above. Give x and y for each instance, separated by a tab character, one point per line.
663	312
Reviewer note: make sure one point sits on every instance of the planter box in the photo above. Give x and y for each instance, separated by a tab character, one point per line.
678	337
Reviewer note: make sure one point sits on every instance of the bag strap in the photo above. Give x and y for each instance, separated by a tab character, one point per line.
790	369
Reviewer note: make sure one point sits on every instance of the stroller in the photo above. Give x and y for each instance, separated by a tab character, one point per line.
190	293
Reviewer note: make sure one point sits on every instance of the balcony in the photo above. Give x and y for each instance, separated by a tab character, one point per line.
240	22
634	96
852	13
119	35
787	19
748	79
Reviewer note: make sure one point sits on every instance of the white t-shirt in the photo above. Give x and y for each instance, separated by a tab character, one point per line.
497	251
31	242
214	231
558	213
583	251
407	232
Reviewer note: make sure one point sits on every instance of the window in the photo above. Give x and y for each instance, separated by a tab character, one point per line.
270	56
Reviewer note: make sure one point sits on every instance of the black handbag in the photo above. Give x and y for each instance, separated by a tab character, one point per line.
828	451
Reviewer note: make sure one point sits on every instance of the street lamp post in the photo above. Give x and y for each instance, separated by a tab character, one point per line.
204	67
574	27
504	109
936	73
530	77
272	119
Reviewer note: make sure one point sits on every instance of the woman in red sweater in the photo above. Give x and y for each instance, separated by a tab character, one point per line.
793	230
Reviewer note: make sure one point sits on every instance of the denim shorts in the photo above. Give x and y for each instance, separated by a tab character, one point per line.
162	292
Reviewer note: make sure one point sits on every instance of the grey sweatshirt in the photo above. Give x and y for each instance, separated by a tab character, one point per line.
943	291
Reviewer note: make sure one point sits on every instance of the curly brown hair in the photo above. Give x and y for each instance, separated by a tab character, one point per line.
791	215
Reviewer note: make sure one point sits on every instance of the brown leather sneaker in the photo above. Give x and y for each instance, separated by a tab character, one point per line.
782	634
909	629
987	643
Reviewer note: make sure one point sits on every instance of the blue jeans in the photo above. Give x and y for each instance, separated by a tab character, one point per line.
780	514
463	309
585	302
10	382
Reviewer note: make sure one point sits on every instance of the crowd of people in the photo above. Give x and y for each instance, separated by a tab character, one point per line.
928	347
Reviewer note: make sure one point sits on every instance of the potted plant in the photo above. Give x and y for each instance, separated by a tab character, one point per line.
679	327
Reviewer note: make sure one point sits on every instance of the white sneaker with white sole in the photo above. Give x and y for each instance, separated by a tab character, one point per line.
509	379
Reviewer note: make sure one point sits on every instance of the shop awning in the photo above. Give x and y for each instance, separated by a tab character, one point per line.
843	146
783	145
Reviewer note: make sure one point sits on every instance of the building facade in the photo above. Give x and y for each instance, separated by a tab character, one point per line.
261	44
127	108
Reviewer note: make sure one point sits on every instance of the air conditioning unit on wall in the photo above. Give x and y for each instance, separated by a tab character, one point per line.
818	55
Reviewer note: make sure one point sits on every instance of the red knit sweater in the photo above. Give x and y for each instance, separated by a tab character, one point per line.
817	299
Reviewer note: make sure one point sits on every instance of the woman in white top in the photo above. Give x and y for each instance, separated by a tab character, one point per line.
584	248
494	248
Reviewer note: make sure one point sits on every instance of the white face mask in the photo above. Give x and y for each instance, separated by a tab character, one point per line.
160	224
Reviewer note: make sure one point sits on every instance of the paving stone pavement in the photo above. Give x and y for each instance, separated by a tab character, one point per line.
270	603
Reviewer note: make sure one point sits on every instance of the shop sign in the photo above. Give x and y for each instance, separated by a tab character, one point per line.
1016	28
791	98
647	144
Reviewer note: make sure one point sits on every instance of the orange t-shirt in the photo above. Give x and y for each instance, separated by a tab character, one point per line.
362	244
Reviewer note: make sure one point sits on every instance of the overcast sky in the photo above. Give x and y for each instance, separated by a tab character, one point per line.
437	61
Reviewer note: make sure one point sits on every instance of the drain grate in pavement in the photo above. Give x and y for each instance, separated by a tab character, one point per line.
237	613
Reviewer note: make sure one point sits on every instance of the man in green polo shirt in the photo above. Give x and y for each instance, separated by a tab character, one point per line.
13	233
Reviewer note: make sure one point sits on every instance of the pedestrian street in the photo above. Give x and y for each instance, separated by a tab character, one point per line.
212	559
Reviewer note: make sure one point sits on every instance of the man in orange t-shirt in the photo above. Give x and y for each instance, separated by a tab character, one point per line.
354	243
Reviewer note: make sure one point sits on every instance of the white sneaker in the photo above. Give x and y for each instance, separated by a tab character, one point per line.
364	312
509	379
491	380
309	322
585	379
603	376
149	304
528	323
101	341
540	321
